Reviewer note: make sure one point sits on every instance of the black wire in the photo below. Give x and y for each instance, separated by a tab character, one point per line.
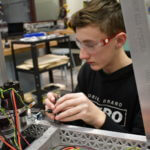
2	134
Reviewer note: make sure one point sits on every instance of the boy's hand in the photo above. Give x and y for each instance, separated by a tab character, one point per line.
50	104
75	106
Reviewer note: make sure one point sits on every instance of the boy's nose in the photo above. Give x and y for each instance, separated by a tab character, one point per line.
83	54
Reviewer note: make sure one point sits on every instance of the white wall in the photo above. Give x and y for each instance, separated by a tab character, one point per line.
74	5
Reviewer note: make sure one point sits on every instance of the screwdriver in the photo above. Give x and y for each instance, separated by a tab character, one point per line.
48	111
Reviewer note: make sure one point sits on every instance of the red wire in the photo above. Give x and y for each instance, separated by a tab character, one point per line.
21	134
25	140
11	147
17	120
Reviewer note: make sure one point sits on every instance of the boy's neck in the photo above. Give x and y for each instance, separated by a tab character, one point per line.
120	61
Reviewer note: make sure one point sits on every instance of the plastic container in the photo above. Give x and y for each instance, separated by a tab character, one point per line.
36	34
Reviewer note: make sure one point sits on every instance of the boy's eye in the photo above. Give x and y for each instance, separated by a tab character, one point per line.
89	45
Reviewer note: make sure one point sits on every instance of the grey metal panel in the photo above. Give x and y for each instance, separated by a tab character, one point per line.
3	74
136	23
16	11
47	9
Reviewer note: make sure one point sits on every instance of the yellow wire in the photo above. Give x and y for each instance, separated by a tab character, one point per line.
133	148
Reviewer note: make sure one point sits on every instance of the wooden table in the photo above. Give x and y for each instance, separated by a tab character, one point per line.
67	31
23	47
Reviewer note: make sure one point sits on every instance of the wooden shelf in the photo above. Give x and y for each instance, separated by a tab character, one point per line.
45	62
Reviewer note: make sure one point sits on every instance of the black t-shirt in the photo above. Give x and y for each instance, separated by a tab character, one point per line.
116	95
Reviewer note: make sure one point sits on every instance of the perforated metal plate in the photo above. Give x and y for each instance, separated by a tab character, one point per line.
64	135
98	139
35	130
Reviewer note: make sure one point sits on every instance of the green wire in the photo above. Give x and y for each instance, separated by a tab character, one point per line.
1	92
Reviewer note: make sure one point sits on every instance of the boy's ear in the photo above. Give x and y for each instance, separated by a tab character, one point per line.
121	39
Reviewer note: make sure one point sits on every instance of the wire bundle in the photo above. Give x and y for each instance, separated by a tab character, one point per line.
14	121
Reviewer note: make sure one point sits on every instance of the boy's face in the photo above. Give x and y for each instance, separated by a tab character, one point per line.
93	49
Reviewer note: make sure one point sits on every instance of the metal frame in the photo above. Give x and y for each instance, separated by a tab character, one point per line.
51	136
3	72
61	135
136	22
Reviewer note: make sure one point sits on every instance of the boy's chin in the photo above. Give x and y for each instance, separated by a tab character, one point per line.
95	67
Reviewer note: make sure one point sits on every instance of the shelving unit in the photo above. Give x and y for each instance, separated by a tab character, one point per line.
36	68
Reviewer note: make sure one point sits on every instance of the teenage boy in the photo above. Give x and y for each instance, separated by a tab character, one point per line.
106	95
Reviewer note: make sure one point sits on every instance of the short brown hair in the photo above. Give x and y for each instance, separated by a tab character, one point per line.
106	14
